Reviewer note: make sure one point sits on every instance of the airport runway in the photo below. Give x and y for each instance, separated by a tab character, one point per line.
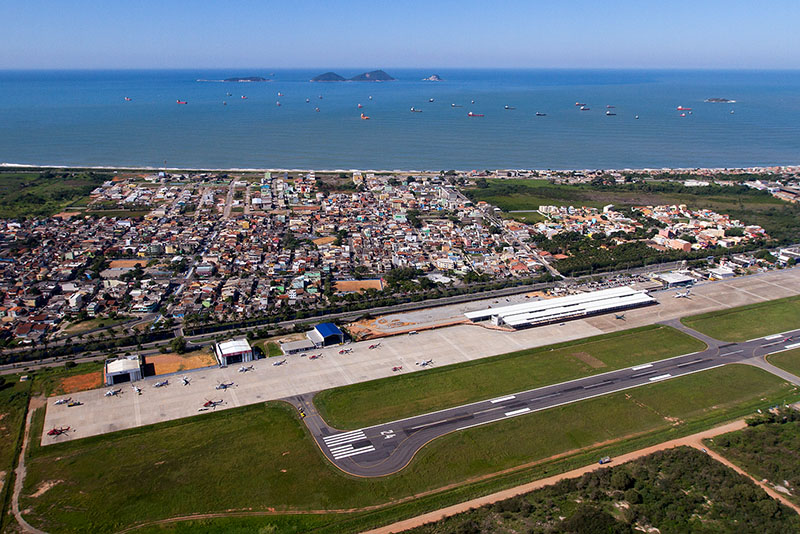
386	448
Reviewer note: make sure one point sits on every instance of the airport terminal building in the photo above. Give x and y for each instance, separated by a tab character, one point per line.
563	308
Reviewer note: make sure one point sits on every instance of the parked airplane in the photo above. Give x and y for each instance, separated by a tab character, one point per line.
375	346
280	362
224	386
211	404
63	401
345	351
621	316
425	363
244	369
315	356
74	403
397	368
185	380
685	295
57	431
137	389
113	392
161	384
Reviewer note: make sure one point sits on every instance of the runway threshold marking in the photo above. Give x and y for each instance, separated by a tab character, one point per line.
341	439
353	452
660	377
503	399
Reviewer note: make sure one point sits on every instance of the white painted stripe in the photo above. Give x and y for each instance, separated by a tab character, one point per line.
353	452
660	377
793	346
734	352
603	394
640	367
503	399
517	412
340	448
346	439
326	438
776	336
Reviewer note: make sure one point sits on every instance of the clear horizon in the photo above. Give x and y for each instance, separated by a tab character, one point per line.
512	34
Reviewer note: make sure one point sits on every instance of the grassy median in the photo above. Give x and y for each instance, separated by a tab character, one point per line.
748	322
260	457
404	395
787	360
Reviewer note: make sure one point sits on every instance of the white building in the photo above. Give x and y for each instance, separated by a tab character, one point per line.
127	369
233	351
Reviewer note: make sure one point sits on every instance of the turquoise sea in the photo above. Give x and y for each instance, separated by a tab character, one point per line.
82	118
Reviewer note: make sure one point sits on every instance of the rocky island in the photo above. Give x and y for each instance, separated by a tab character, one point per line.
720	100
432	78
372	76
247	79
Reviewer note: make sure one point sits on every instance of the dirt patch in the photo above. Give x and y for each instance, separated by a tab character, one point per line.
349	286
73	384
173	363
588	359
44	486
127	263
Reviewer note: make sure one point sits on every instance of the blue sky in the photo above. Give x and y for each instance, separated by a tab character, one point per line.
487	33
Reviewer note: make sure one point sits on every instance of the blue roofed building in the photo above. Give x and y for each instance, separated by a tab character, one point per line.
325	334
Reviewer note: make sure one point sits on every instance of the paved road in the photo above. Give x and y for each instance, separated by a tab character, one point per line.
384	449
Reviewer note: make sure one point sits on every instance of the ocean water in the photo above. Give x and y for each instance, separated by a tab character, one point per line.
81	118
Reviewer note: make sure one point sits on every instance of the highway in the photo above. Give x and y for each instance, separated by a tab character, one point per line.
386	448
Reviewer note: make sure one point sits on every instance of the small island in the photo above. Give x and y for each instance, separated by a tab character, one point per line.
433	78
719	100
328	77
372	76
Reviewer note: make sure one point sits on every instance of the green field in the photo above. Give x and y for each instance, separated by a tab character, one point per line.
222	461
788	361
42	194
90	324
13	402
748	322
379	401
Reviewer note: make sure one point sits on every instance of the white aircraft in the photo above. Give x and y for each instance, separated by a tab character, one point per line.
137	389
244	369
425	363
113	392
279	363
185	380
161	384
63	401
684	295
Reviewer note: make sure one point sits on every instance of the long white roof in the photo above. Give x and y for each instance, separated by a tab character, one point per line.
123	365
577	310
234	346
550	304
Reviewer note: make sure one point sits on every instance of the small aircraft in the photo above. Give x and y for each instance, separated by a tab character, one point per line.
345	351
302	413
74	403
787	339
63	401
413	333
161	384
279	363
425	363
315	356
137	389
620	316
223	386
375	346
127	99
113	392
57	431
211	404
684	295
244	369
397	368
185	380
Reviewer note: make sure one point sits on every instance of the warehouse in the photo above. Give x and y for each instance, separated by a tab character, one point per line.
563	308
233	351
127	369
325	334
